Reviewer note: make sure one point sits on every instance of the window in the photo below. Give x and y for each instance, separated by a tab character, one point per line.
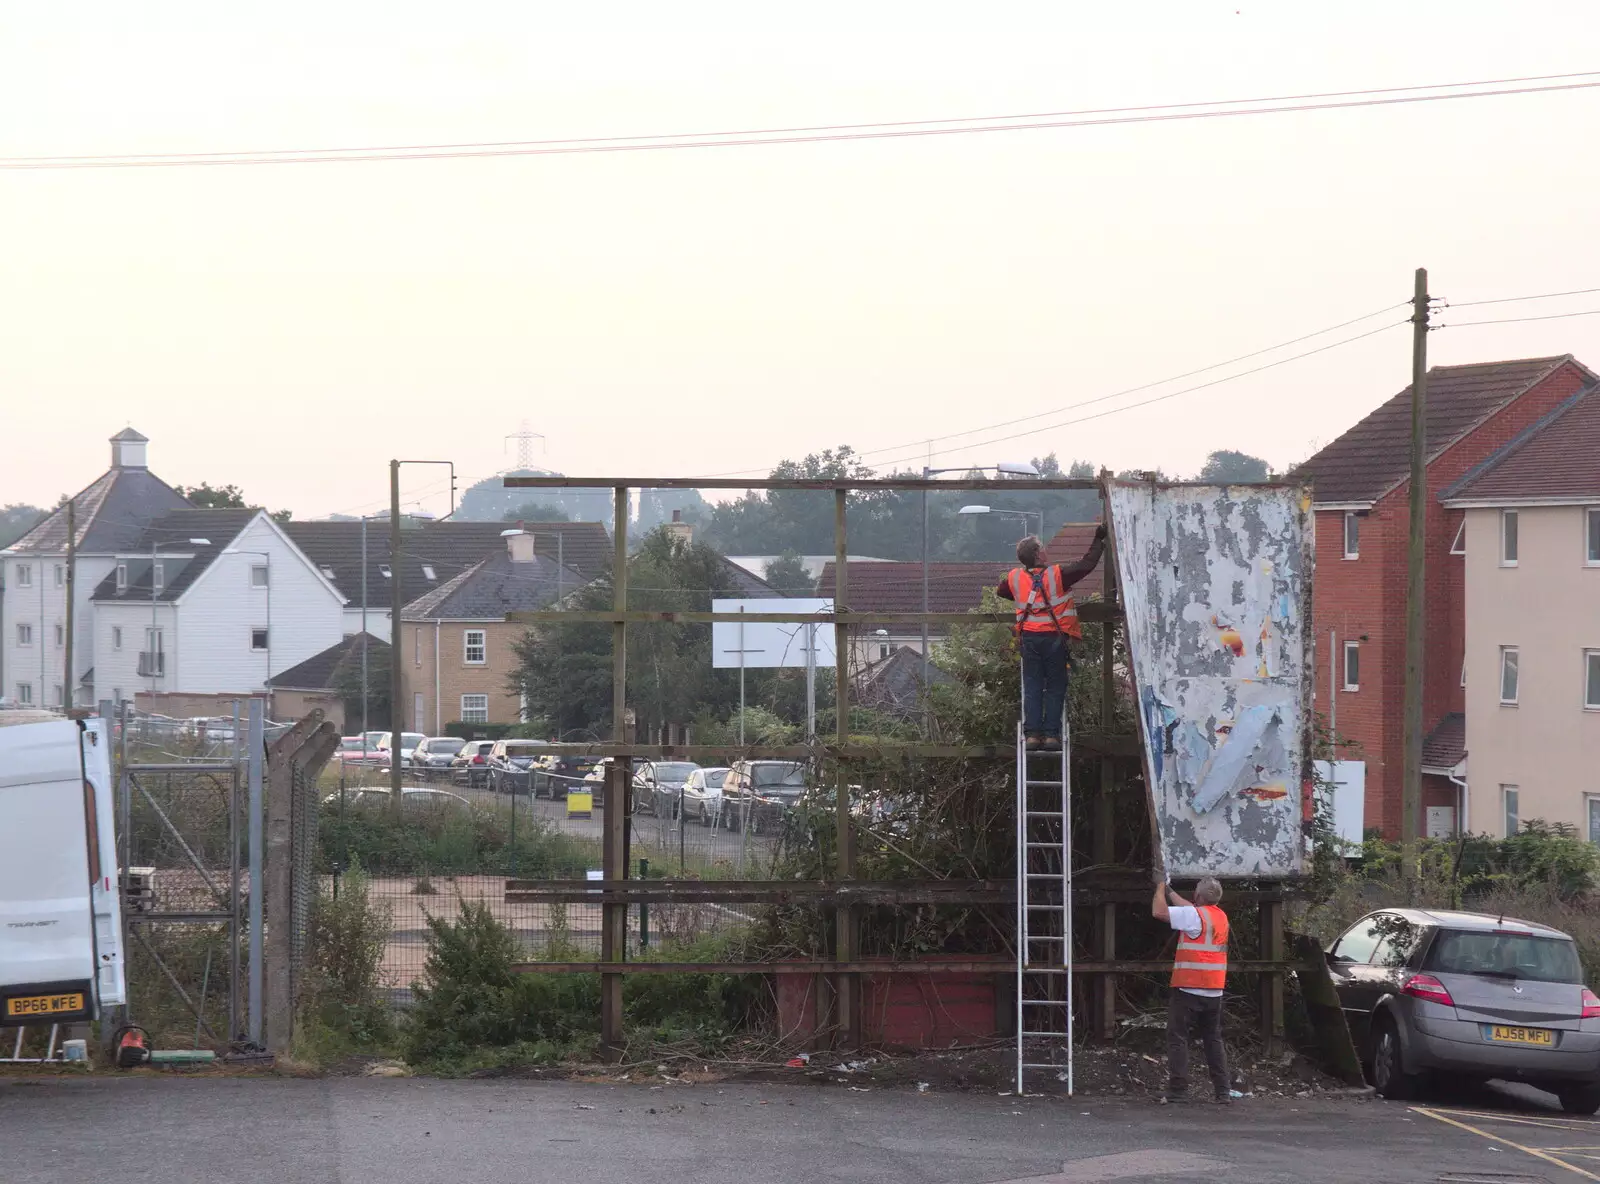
258	639
1508	798
1591	679
1508	675
258	575
122	577
476	647
61	576
61	635
116	637
1400	940
1508	538
24	575
1352	535
416	646
158	576
24	634
25	693
327	572
1352	666
1459	547
1359	941
883	652
1594	818
1463	672
385	571
61	695
474	709
427	572
1591	531
116	694
152	640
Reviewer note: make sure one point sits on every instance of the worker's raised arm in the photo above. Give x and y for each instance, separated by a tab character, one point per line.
1071	574
1003	590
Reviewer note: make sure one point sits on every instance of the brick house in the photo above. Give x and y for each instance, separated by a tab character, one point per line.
1361	488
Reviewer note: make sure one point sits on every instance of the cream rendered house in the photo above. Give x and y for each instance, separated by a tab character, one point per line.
1532	674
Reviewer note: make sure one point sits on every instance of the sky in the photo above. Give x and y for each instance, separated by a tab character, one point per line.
291	328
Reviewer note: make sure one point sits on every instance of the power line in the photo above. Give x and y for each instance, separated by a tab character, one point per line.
1557	316
1515	299
750	139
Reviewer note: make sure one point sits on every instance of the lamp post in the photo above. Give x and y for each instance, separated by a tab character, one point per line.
396	604
1016	468
266	683
1027	516
157	667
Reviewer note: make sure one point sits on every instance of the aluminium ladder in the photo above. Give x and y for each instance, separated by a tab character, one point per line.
1044	909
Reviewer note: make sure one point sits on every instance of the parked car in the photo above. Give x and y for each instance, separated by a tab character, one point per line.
412	797
511	765
556	774
470	766
408	742
432	757
349	750
594	781
660	786
1471	996
760	794
702	795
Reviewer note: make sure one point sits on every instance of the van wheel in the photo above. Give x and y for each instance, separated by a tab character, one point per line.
1388	1065
1579	1099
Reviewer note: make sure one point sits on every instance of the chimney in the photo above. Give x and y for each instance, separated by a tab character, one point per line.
520	544
679	529
127	449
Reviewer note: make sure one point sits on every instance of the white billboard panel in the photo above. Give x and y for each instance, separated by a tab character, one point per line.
1216	583
764	645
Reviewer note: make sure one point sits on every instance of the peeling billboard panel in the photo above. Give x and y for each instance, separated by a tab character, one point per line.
1216	584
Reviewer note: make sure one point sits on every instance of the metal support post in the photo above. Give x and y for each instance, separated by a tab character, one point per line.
1104	989
235	897
397	711
255	755
614	916
1271	983
847	986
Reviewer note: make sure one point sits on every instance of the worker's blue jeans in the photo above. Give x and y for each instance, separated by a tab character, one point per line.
1044	682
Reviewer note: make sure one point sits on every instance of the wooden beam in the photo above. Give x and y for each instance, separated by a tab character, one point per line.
889	893
1092	743
1093	610
1009	484
868	966
614	852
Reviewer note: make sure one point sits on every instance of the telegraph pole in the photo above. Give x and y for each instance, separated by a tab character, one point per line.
397	713
72	563
1411	785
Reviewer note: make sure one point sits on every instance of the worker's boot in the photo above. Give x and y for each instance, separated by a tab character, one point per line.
1033	743
1052	744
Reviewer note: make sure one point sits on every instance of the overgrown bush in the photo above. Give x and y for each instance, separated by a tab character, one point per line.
448	841
343	1002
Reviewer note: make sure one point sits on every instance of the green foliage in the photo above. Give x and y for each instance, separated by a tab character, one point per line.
18	519
344	993
346	680
1226	466
224	497
447	841
787	574
537	512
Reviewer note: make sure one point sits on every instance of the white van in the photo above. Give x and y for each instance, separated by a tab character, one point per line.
61	956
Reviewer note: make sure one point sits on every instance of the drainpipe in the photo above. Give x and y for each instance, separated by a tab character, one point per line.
438	708
1461	812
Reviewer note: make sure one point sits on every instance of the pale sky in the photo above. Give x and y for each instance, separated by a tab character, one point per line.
291	328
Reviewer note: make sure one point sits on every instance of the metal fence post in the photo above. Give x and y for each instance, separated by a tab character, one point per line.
255	743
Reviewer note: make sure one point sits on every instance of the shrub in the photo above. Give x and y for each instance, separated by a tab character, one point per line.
344	993
448	841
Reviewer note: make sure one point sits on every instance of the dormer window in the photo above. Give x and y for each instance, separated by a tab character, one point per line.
327	572
385	571
427	571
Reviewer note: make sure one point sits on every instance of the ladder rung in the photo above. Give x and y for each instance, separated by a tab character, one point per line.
1047	1035
1044	1003
1046	784
1046	846
1046	814
1035	969
1046	875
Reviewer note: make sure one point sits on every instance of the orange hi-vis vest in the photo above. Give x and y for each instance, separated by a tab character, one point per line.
1043	605
1202	961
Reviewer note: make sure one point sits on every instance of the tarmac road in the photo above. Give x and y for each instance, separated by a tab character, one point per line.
170	1130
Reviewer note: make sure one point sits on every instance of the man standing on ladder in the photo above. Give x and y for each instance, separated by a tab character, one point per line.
1199	974
1046	619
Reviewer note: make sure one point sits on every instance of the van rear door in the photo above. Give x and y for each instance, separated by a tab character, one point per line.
47	939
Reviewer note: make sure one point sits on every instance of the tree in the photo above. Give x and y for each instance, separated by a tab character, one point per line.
1226	466
537	512
225	497
18	519
346	682
787	575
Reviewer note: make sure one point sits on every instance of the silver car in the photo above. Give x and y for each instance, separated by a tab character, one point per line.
1471	996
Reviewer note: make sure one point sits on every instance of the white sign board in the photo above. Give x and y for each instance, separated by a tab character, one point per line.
1345	782
1216	583
764	645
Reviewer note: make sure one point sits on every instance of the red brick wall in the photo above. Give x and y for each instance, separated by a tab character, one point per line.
1367	596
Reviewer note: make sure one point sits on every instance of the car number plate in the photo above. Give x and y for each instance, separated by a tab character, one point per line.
1542	1037
29	1005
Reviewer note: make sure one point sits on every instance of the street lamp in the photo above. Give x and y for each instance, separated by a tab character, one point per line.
396	604
158	667
1027	516
365	675
266	683
1012	468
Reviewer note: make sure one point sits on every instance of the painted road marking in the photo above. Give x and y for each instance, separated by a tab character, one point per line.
1536	1152
1128	1165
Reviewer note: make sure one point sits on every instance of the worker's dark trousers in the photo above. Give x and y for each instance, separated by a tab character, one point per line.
1184	1012
1044	682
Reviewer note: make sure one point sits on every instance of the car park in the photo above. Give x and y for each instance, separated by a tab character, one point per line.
758	795
1469	996
511	765
702	795
661	786
432	757
408	742
558	773
470	766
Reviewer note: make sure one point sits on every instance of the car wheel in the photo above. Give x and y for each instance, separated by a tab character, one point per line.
1579	1099
1388	1066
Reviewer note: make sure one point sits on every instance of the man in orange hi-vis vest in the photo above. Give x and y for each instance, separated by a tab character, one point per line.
1199	972
1046	620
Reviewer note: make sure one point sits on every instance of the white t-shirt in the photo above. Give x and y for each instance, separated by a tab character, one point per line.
1185	918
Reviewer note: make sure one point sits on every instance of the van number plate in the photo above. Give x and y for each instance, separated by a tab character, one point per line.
26	1005
1539	1036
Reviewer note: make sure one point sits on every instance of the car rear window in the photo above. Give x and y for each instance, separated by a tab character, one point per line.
789	776
445	745
674	770
1513	954
715	778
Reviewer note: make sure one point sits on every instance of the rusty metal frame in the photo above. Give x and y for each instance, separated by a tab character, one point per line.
616	893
